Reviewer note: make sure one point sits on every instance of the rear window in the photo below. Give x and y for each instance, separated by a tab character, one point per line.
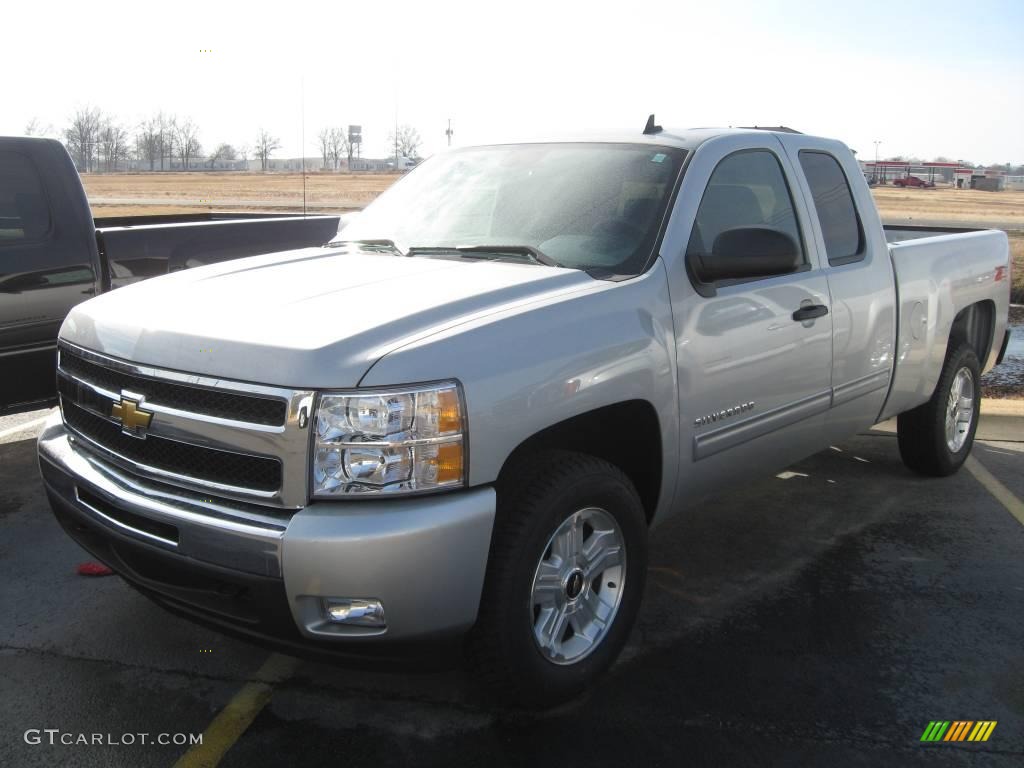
840	225
24	213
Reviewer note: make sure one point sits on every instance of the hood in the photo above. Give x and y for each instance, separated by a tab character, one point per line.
316	317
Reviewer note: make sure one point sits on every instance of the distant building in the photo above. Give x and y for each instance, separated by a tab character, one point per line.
887	171
289	164
194	164
373	165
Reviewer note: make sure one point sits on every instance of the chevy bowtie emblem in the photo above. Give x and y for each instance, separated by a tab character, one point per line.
134	421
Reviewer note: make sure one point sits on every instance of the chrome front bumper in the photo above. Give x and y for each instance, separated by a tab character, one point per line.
423	558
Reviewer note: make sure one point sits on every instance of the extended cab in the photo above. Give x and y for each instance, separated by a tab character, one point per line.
53	255
463	416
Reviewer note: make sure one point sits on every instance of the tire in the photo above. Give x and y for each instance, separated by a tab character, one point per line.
924	441
525	591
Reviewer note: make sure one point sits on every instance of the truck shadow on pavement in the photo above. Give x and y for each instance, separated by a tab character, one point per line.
827	614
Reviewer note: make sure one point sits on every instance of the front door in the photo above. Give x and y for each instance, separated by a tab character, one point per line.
754	355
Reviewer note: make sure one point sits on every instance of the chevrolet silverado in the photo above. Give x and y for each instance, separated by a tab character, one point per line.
462	417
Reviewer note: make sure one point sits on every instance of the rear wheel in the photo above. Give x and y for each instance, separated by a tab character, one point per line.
564	581
936	438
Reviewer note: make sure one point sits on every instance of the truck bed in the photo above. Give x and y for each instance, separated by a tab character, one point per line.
136	248
899	233
939	272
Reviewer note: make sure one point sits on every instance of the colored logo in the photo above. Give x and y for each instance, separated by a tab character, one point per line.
134	420
959	730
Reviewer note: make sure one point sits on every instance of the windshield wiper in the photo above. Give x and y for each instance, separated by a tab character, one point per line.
530	252
369	245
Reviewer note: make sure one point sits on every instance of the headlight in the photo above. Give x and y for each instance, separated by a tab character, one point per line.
389	441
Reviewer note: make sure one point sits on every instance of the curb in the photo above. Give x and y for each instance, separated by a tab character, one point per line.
1001	407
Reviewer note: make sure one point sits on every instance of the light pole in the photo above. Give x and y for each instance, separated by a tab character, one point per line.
449	132
877	142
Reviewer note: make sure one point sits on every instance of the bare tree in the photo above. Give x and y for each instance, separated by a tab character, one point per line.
223	152
112	139
166	126
80	136
339	146
408	141
265	146
35	128
147	142
324	138
186	140
243	155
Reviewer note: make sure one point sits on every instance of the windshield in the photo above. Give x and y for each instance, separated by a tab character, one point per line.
586	206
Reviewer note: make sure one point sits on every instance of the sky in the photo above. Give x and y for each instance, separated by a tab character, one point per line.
926	78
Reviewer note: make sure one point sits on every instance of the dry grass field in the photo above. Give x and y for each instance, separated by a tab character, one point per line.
1004	209
153	193
188	192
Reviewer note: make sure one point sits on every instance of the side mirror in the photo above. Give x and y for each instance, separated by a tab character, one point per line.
748	252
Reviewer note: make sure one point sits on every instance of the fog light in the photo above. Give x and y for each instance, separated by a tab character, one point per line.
359	613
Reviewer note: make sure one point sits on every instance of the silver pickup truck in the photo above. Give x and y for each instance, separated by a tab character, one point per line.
461	418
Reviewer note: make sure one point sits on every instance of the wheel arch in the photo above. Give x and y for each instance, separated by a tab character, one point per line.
974	324
627	434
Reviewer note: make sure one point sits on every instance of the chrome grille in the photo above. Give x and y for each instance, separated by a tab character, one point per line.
257	410
230	439
193	461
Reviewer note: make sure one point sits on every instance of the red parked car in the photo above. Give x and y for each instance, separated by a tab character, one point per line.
913	181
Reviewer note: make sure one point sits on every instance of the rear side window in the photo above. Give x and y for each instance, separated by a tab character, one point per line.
840	225
24	213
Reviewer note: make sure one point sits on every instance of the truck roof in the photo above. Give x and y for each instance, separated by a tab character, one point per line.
684	138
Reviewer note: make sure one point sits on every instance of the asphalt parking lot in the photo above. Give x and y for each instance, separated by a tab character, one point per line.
824	616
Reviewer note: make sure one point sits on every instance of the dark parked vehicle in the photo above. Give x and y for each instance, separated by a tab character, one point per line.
53	255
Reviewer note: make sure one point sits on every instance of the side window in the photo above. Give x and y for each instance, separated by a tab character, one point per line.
840	225
24	213
746	189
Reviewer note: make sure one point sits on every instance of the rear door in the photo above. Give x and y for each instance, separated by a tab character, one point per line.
754	370
855	259
47	264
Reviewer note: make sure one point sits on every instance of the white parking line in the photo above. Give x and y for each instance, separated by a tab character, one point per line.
26	427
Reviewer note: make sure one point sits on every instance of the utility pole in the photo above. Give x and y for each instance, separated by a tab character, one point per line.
877	142
449	132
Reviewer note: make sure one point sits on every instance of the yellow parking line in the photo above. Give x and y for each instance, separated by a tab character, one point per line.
1003	494
232	721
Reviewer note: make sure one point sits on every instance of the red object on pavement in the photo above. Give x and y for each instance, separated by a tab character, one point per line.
93	569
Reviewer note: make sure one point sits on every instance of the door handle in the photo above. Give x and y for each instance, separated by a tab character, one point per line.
810	312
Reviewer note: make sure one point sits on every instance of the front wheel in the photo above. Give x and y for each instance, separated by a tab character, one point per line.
564	581
936	438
